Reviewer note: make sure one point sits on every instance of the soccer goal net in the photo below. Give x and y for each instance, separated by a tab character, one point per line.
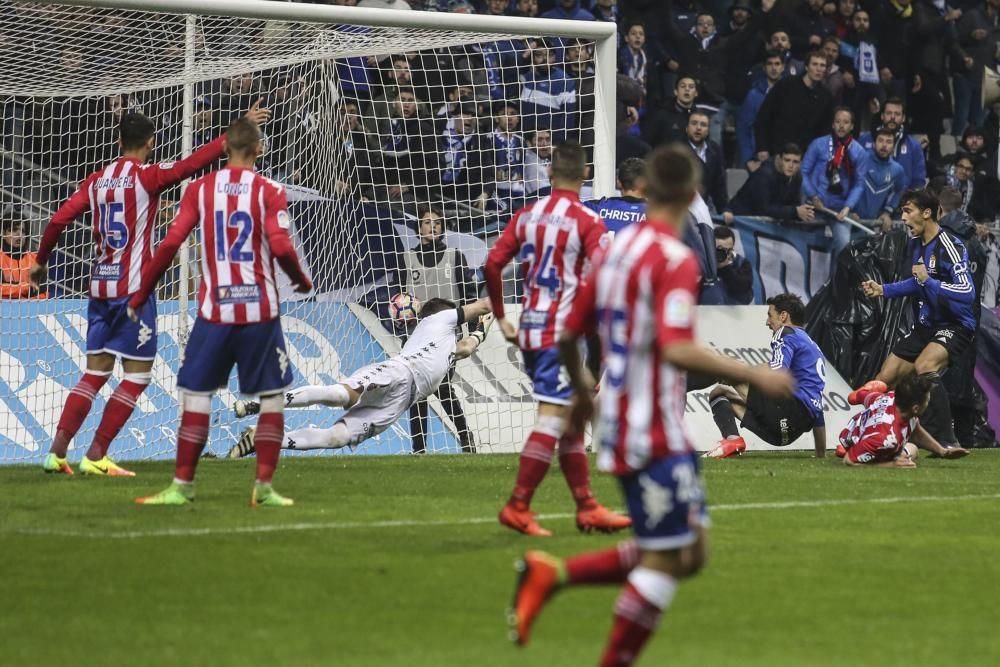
404	139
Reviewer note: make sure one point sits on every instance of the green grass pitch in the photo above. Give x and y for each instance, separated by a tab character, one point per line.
399	562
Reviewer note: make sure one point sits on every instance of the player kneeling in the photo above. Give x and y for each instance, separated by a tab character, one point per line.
377	395
888	431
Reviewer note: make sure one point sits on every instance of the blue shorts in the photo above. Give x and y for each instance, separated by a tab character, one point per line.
257	350
110	330
548	375
666	502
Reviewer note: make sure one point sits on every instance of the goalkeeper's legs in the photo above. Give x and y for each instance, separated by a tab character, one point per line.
334	396
318	438
80	399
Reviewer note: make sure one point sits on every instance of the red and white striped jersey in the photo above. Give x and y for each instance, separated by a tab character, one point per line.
878	432
124	201
243	220
641	298
555	236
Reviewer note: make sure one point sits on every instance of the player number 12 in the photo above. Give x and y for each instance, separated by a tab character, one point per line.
237	251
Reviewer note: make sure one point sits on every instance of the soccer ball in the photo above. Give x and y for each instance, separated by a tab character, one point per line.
403	307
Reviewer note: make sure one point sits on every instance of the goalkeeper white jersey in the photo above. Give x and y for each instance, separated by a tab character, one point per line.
430	350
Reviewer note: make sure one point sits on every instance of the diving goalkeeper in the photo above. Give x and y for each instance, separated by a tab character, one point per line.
377	395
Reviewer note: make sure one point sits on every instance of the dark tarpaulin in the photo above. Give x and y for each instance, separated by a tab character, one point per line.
857	333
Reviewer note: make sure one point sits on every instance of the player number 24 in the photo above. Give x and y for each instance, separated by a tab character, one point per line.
543	274
237	250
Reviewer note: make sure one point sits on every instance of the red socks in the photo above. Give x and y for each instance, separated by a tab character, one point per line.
116	413
191	439
535	459
78	403
267	442
637	613
576	469
610	566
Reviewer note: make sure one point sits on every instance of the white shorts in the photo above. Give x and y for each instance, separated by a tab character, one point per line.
387	391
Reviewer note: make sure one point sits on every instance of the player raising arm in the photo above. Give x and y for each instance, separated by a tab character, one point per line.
946	320
888	431
554	236
377	395
123	199
642	302
243	223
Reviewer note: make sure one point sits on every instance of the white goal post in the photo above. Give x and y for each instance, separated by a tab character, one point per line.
378	114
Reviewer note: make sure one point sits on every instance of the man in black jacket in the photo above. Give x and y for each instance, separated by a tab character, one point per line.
713	178
797	110
774	190
666	124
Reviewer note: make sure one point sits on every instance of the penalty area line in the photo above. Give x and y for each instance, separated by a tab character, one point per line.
420	523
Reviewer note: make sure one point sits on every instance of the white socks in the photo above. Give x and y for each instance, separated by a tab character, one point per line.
334	396
318	438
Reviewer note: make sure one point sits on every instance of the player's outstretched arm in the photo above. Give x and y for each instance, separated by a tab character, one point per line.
476	309
691	356
168	174
924	440
73	208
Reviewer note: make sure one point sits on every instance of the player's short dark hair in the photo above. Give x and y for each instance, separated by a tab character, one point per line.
631	23
674	175
434	306
424	209
721	232
912	390
134	130
898	101
791	304
791	149
242	136
569	162
922	198
630	171
885	132
685	75
950	198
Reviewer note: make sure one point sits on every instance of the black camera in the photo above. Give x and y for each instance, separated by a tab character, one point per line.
721	255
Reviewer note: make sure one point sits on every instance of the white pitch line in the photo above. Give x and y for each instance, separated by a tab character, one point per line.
414	523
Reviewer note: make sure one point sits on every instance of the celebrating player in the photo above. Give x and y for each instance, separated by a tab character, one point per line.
946	323
642	302
377	395
555	235
888	431
243	222
778	422
124	200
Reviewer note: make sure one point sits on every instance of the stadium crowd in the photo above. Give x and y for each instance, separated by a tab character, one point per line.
831	109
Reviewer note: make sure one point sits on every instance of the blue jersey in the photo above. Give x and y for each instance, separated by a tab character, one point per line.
947	297
792	348
618	212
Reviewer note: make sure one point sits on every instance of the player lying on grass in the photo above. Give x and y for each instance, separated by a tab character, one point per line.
782	421
888	431
377	395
